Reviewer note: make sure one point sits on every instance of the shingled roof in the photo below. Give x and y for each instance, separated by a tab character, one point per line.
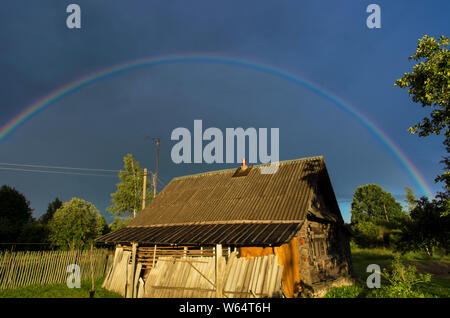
232	207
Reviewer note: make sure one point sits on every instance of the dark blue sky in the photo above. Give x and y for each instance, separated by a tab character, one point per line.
325	42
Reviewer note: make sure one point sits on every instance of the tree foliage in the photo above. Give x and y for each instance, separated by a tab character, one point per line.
15	213
373	204
410	200
34	232
368	234
76	224
127	200
376	217
118	223
429	84
52	207
426	229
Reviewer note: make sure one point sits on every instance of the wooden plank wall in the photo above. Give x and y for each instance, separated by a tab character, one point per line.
26	268
252	277
195	276
181	278
148	255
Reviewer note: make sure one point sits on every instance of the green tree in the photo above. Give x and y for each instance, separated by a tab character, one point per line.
15	213
127	200
102	225
426	229
34	232
51	209
38	231
429	84
373	204
76	224
376	217
411	200
119	223
368	234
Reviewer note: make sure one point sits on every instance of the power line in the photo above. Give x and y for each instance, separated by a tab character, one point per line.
69	173
163	183
162	180
55	167
57	172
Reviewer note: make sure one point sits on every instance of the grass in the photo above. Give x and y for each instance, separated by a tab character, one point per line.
438	266
58	291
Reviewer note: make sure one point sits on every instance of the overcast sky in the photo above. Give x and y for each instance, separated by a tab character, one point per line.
326	43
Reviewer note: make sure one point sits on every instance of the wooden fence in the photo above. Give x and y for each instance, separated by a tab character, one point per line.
48	267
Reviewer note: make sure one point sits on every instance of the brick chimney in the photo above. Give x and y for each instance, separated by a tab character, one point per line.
244	164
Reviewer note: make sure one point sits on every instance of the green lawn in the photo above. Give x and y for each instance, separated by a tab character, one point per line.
59	291
437	266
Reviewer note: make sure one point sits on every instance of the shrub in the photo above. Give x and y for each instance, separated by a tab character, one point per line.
367	234
402	282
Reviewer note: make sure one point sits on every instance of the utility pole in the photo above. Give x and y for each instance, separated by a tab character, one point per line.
157	140
135	188
144	188
154	185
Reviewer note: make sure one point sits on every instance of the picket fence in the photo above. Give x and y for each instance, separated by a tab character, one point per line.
24	268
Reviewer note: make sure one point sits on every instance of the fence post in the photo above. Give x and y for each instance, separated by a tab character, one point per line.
218	271
154	257
133	269
11	268
92	291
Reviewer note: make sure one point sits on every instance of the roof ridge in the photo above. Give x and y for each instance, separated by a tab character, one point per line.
247	221
255	166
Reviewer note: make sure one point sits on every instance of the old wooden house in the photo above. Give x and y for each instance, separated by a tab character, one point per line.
292	214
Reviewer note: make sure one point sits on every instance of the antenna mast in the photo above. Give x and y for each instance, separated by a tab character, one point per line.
157	140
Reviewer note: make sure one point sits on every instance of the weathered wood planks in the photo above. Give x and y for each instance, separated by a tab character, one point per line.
24	268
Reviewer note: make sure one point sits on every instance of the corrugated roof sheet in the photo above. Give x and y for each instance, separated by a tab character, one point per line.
203	234
218	196
225	207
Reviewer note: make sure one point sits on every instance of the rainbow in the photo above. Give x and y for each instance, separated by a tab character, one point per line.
54	96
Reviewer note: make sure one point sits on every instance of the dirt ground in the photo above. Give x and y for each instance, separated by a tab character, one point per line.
438	269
